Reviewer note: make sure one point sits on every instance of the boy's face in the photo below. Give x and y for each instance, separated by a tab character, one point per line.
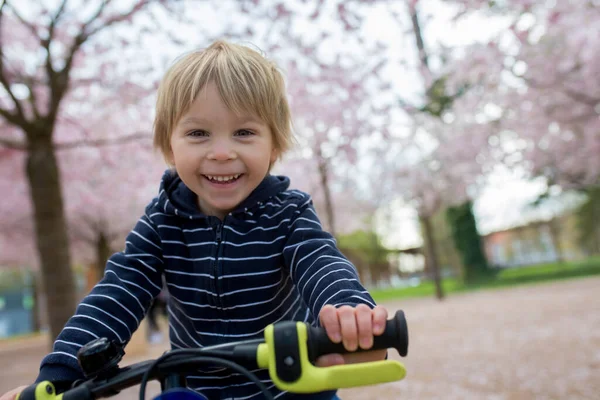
222	157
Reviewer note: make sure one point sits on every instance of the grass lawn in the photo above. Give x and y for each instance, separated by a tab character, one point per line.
507	277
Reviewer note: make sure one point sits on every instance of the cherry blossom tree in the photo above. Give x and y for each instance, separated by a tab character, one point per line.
51	57
447	165
353	205
429	170
538	90
543	73
433	167
16	225
464	155
333	114
107	188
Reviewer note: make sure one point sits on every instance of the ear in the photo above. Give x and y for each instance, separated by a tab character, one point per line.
274	155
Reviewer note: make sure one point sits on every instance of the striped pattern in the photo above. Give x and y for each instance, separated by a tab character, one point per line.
266	262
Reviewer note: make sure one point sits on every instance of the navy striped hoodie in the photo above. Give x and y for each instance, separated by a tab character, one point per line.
267	261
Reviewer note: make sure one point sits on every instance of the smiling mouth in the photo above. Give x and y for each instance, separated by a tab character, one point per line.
222	179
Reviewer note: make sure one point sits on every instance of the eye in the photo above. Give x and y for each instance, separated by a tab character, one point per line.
197	133
244	132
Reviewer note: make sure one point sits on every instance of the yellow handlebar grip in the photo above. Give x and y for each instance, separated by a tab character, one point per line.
315	379
42	391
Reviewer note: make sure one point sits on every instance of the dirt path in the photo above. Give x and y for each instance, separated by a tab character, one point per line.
535	342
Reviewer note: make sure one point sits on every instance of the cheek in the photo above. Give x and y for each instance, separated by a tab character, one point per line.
182	153
263	161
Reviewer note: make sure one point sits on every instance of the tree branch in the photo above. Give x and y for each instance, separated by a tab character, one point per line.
60	82
56	18
13	144
28	24
46	45
6	85
111	236
19	118
414	17
102	142
84	35
574	94
14	119
79	230
33	97
581	97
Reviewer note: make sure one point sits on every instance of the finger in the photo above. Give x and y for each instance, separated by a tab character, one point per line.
330	321
347	320
380	316
329	359
364	324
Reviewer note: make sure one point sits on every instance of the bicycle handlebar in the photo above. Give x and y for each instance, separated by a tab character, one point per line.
288	351
395	335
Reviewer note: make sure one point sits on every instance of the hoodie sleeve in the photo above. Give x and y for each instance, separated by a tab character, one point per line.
320	271
115	306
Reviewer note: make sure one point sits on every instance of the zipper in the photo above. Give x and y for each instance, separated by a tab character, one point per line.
218	253
219	230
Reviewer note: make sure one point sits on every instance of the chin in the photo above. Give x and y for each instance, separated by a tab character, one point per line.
225	208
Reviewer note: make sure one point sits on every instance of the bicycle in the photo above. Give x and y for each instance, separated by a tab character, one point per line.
288	350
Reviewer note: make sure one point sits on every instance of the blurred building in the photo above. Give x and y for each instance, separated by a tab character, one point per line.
534	243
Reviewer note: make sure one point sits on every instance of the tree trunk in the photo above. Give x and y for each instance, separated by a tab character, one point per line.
35	310
323	173
51	230
467	241
102	254
414	18
431	256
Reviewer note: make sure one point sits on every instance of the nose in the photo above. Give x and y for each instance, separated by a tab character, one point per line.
221	150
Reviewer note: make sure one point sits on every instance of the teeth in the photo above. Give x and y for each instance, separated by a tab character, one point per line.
223	178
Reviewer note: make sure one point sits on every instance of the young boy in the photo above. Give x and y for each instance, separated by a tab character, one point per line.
237	248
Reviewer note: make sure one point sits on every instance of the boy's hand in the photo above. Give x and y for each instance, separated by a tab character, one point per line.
355	327
13	393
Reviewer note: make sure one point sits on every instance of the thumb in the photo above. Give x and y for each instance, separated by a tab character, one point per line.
12	395
327	360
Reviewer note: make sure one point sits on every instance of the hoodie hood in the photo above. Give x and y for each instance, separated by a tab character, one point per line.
175	198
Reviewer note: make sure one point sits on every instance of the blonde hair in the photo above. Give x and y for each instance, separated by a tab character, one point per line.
247	83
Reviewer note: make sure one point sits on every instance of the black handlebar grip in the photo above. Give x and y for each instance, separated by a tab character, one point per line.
395	335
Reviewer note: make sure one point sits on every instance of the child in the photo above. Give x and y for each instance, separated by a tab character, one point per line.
237	248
